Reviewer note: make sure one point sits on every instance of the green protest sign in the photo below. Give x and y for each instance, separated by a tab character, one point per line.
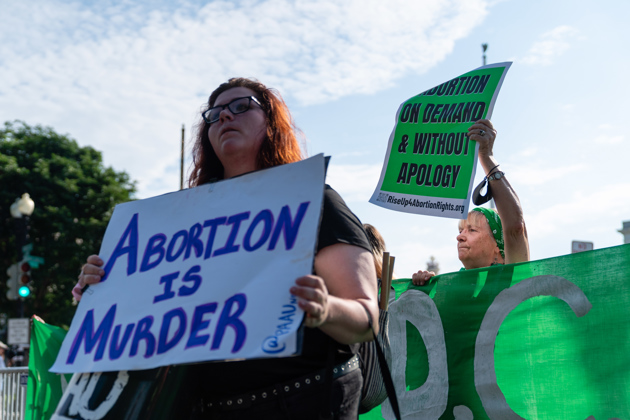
547	339
430	162
44	389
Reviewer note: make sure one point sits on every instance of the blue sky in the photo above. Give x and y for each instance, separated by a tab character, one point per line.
123	76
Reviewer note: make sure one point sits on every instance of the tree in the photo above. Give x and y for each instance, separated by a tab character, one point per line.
74	196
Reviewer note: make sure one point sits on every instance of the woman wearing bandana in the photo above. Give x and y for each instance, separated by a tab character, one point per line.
489	237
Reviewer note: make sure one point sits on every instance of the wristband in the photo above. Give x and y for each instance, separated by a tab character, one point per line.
490	171
495	176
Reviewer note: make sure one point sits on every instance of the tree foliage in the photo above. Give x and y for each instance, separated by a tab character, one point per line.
74	195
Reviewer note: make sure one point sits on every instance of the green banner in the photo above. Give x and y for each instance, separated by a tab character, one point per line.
430	163
547	339
44	389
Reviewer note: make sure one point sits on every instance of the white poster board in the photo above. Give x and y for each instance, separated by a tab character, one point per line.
201	274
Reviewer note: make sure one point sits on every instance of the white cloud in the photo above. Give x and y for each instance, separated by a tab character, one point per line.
609	135
124	76
354	182
593	216
551	45
599	207
604	139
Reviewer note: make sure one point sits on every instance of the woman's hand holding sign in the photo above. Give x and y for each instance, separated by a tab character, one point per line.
91	273
313	299
483	133
336	297
349	288
421	277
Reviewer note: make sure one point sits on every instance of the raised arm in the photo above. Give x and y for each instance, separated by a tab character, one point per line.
505	198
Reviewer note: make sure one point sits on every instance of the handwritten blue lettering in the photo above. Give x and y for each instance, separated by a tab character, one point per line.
116	348
290	229
190	276
184	290
187	243
194	241
266	217
235	221
170	257
155	246
143	332
231	320
91	338
167	280
164	344
271	344
172	331
212	224
131	233
198	324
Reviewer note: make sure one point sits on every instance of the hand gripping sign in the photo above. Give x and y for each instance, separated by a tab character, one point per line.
201	274
430	163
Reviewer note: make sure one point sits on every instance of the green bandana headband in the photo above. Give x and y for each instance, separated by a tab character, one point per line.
495	226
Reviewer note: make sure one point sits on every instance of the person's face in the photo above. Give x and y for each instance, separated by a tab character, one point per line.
236	138
475	244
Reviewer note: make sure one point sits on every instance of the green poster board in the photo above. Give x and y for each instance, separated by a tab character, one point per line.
44	389
548	339
430	162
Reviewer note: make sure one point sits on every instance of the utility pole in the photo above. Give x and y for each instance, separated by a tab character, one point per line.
181	166
484	47
21	211
625	231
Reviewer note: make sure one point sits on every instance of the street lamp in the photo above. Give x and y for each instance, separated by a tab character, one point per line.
21	211
23	206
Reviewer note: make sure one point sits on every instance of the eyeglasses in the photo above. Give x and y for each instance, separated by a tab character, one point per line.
236	106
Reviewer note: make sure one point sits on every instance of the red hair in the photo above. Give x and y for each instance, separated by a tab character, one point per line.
279	146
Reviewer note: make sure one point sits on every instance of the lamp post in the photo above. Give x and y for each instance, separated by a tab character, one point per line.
484	47
21	211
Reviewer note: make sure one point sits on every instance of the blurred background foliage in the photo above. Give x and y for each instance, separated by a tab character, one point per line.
74	195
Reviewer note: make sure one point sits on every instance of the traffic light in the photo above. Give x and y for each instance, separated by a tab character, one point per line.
12	282
25	279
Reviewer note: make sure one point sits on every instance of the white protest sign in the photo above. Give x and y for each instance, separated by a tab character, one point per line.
201	274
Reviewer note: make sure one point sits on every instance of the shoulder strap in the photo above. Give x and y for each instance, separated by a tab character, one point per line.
387	377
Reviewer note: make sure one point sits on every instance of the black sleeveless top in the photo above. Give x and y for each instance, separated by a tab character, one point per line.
223	379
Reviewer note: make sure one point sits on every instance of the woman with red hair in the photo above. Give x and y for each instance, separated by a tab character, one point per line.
246	127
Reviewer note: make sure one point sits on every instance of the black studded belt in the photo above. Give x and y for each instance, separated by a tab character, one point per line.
293	386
